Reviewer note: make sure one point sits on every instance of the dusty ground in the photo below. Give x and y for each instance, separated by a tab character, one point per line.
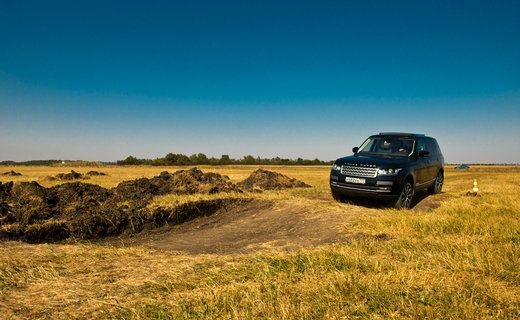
244	228
260	224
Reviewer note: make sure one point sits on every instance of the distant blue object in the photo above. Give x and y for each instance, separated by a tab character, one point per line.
462	167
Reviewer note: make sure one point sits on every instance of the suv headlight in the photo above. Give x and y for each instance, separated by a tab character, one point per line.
336	167
388	172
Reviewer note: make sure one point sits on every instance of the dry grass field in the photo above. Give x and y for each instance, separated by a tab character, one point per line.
302	256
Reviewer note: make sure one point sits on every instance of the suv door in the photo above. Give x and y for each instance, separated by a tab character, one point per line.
423	169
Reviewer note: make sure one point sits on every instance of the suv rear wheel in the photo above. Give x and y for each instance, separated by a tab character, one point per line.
437	185
405	197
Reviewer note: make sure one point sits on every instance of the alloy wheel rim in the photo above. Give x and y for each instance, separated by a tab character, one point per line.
438	183
407	196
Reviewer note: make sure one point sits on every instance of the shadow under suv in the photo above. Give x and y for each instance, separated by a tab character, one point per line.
389	166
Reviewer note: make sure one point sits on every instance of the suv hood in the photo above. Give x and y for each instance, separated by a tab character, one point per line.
384	162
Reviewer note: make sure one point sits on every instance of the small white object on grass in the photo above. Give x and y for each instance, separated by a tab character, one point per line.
475	186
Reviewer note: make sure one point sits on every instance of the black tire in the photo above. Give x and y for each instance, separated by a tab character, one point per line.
437	185
337	196
405	197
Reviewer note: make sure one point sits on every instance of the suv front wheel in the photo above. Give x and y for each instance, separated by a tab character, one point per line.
405	197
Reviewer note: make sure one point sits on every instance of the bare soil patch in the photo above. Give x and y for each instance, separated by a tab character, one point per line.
242	227
426	202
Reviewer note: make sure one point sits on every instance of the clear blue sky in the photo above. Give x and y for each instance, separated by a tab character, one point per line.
100	80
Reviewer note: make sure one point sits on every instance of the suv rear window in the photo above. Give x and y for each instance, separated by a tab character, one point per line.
429	145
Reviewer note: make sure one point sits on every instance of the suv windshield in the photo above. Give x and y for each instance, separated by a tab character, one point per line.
388	145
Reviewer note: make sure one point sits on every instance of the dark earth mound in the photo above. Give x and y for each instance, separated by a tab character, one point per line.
11	173
267	180
180	182
72	175
33	213
96	173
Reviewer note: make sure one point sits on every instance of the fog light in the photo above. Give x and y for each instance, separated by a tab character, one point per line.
384	183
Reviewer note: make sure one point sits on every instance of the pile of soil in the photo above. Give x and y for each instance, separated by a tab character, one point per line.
33	213
96	173
180	182
268	180
11	173
72	175
193	181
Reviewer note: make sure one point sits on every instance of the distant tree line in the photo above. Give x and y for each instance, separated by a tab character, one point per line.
30	163
197	159
172	159
68	163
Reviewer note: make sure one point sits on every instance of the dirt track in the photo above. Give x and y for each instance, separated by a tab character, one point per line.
244	227
254	225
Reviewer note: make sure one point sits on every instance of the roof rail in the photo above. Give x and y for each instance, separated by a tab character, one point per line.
400	134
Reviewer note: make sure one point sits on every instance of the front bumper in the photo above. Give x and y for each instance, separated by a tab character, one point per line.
379	187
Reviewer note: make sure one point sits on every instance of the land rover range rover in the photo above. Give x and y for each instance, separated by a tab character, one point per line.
389	166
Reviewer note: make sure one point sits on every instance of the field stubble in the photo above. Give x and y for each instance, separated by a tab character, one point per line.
457	259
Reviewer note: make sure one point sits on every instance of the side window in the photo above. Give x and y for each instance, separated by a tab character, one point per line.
421	145
431	146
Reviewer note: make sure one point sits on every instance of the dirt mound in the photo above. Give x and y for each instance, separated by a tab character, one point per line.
193	181
5	189
28	202
33	213
85	211
268	180
95	173
48	231
180	182
72	175
11	173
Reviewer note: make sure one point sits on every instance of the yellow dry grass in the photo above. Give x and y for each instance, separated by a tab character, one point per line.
458	261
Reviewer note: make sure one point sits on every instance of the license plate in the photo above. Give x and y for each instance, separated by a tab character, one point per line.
355	180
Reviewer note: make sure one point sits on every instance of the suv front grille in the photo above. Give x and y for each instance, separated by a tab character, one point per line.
365	172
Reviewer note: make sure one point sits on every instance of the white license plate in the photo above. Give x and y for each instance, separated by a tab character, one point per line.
355	180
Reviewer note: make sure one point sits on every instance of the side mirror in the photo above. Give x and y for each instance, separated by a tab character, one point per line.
424	153
355	150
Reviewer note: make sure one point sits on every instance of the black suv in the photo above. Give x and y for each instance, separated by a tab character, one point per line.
389	166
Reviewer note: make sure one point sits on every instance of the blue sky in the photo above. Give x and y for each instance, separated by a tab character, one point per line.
100	81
